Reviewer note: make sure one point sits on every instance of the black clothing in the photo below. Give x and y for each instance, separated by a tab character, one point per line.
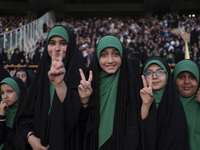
36	56
9	136
29	78
126	135
165	127
3	73
15	58
59	129
4	57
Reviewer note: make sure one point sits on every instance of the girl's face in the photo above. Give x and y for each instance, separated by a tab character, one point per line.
110	60
158	82
22	75
186	84
8	94
56	44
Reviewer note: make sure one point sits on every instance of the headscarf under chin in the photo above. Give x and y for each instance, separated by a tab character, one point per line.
108	91
191	107
157	93
12	110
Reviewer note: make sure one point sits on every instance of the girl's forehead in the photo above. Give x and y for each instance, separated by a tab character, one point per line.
109	49
5	85
154	66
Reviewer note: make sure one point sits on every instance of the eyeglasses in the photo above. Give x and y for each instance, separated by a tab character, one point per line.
159	73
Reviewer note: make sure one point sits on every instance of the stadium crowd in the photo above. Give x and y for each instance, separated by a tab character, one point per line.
141	37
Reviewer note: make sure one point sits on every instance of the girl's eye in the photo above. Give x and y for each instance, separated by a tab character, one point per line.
63	43
192	77
2	92
116	54
51	43
103	55
180	77
10	91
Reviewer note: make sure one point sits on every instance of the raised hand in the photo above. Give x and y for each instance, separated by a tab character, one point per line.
84	88
147	97
146	93
3	107
57	71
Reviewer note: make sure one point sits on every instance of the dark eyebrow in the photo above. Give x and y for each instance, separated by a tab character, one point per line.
152	70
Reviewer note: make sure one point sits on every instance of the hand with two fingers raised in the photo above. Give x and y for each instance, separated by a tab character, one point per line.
56	74
57	71
147	97
84	88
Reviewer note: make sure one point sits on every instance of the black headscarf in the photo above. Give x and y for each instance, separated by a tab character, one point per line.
165	127
3	73
58	128
11	141
125	134
29	78
15	58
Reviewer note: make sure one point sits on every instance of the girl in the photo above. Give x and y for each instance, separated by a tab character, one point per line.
24	76
186	76
163	119
112	122
13	92
50	114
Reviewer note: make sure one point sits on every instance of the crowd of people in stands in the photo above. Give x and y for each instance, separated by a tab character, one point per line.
141	37
11	22
117	104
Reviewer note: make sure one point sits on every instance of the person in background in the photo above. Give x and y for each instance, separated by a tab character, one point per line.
24	76
15	58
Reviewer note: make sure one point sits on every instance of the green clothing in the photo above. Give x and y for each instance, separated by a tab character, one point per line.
108	91
157	93
191	107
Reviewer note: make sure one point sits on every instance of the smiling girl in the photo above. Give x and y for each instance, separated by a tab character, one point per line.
163	119
50	115
111	100
186	76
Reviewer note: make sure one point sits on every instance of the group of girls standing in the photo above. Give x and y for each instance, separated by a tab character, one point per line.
107	106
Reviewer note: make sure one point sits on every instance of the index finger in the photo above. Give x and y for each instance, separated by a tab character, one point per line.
53	54
144	81
150	81
61	54
82	74
90	76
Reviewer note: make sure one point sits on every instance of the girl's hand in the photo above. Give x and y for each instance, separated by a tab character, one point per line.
84	88
146	93
3	107
36	143
147	97
57	71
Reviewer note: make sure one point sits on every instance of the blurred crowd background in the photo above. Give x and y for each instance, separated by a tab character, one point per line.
159	29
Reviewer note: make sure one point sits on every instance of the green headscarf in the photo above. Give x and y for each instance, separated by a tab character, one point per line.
157	93
108	91
191	107
58	31
11	111
62	32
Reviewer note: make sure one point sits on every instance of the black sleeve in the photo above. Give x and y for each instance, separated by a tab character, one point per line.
3	130
148	130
